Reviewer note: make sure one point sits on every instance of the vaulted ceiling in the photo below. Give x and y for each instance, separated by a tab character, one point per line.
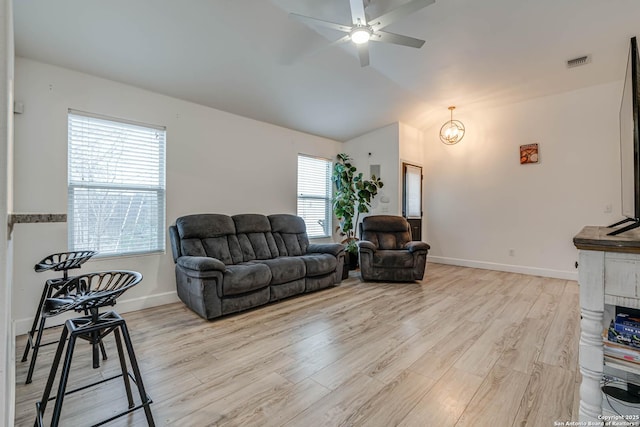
250	58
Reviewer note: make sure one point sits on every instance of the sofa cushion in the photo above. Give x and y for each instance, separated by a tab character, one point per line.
285	269
319	264
242	278
211	235
224	248
290	234
200	226
386	231
254	237
393	259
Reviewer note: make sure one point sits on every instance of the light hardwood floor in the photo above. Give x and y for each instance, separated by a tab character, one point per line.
464	347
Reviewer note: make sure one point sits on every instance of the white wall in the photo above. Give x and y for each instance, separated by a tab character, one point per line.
7	343
481	202
412	144
216	162
388	147
379	147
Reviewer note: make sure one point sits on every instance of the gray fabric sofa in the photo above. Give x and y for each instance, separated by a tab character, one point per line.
225	264
387	252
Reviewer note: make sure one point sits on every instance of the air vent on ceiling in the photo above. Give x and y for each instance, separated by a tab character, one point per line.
576	62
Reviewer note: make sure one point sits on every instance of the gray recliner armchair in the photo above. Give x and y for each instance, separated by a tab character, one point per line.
387	252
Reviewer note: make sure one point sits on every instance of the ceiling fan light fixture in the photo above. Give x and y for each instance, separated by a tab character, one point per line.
452	131
360	35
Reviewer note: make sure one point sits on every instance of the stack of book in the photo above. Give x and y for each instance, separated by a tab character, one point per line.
622	339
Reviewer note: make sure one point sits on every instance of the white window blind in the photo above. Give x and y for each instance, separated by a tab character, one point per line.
413	192
314	195
116	185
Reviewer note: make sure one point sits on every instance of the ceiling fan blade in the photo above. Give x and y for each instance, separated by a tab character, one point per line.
320	23
363	53
357	12
386	37
397	13
341	40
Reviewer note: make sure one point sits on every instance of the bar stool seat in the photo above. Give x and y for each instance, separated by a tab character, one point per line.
90	292
64	262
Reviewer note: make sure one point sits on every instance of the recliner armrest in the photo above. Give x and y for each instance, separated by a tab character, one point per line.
326	248
365	244
417	246
200	263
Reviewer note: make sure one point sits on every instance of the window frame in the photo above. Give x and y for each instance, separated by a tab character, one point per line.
157	244
328	199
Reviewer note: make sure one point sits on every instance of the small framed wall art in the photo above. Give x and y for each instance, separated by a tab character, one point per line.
529	154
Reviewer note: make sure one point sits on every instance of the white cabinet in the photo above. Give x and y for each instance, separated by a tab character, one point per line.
609	274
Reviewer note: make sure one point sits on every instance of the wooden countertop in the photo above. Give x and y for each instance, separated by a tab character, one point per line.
593	238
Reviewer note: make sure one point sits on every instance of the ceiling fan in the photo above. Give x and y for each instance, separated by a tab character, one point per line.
362	31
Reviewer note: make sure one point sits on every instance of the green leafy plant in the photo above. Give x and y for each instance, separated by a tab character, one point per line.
353	196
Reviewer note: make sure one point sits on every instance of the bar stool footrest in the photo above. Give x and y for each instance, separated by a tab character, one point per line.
148	401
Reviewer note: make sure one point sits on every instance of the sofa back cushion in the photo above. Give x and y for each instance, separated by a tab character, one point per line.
290	234
386	231
242	238
255	237
212	235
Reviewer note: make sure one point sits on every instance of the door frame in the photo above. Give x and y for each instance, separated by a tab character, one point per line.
404	197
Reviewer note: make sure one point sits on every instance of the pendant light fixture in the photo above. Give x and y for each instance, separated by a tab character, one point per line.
452	131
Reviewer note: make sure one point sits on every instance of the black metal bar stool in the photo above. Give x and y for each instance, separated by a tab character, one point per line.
90	292
64	262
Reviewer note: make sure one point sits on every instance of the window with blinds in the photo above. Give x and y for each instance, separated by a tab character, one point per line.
314	195
116	185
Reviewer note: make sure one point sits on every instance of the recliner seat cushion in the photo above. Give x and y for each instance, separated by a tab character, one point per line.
242	278
284	269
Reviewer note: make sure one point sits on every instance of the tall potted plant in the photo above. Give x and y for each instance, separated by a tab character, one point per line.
353	196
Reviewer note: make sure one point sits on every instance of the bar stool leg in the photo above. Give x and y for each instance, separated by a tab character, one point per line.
45	294
36	347
136	374
103	351
42	405
64	377
95	340
123	367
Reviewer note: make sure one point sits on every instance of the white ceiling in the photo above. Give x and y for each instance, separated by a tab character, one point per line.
249	57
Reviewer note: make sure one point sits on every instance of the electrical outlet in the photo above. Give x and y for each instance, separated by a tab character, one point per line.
608	208
512	252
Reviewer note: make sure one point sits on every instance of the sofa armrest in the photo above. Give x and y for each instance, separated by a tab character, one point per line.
367	245
174	237
201	263
417	246
326	248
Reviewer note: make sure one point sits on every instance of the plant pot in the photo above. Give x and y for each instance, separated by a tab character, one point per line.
353	261
345	267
